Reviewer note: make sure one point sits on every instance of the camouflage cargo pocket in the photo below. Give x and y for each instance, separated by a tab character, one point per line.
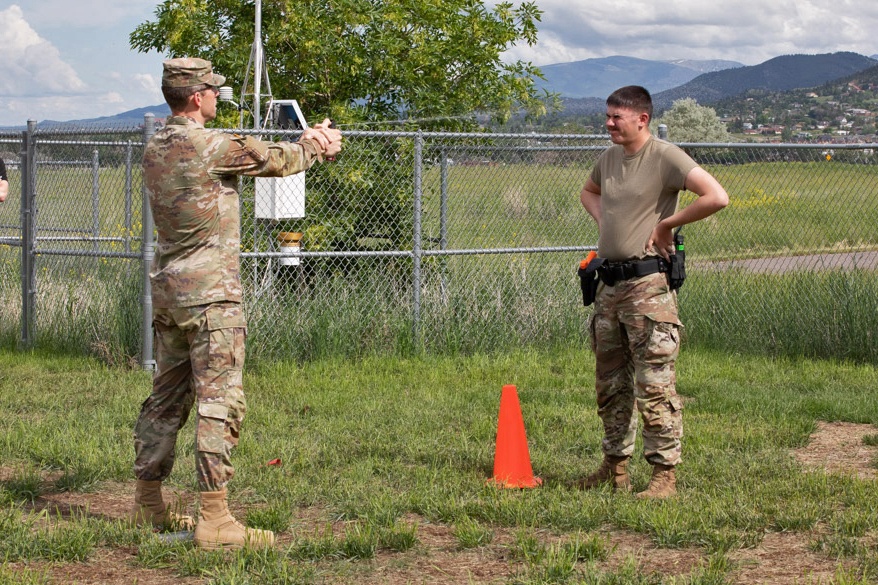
211	431
228	332
664	341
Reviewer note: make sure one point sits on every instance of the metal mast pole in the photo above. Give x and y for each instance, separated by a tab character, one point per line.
257	64
257	61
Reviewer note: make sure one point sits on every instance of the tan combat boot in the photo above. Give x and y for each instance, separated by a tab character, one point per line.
662	484
613	471
150	508
218	529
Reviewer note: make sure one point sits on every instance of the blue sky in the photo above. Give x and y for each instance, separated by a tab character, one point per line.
67	60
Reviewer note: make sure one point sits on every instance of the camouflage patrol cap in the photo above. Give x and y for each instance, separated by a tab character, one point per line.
190	71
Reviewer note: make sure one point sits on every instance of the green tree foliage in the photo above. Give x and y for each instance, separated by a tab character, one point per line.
433	62
689	122
365	60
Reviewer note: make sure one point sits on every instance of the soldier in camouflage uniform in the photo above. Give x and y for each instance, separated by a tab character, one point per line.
632	194
190	175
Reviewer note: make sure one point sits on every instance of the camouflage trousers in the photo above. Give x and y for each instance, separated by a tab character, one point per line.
199	358
634	332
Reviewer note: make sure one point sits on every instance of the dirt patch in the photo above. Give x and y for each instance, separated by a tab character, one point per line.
109	567
780	559
838	447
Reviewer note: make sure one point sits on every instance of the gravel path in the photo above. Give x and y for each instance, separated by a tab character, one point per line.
782	264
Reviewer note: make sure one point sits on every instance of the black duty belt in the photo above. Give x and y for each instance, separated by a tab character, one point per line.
613	272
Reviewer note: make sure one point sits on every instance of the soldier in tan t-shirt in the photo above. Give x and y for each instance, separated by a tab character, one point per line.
632	194
4	182
190	175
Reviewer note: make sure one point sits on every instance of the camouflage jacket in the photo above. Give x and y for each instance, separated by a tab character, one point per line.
189	173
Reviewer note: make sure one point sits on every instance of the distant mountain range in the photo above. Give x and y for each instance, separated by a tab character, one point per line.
131	118
584	85
779	74
600	77
843	104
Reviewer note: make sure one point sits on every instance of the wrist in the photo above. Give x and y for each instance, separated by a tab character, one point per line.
665	225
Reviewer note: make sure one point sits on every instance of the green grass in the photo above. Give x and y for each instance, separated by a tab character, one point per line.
471	534
373	443
775	208
10	576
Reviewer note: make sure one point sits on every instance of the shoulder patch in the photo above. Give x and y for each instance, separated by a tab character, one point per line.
255	148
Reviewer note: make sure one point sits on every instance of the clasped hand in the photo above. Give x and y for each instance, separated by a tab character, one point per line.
328	138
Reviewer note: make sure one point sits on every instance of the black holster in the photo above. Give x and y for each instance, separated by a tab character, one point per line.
677	270
589	279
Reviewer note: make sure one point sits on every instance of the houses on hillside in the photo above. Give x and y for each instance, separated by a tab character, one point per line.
852	126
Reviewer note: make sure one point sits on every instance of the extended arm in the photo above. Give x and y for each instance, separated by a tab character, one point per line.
239	155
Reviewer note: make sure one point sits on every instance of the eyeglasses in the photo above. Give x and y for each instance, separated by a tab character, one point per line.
213	89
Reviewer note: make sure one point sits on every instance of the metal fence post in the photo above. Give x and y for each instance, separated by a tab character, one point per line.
443	218
147	360
663	131
128	196
28	237
416	241
95	199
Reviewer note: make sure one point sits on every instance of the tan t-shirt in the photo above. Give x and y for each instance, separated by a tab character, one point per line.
637	191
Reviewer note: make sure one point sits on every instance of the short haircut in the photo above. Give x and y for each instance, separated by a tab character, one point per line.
177	97
632	97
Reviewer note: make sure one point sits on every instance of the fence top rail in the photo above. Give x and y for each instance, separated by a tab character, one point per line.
14	134
88	131
90	142
414	134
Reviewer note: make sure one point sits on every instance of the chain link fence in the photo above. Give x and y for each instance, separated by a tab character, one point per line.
438	242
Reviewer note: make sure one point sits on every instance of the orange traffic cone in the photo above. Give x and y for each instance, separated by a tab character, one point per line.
512	467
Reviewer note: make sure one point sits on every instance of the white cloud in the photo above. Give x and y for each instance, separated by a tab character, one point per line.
32	66
113	97
45	14
749	31
151	84
74	64
18	111
66	60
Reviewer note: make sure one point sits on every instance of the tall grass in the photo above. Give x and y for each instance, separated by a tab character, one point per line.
10	299
815	314
474	305
91	306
